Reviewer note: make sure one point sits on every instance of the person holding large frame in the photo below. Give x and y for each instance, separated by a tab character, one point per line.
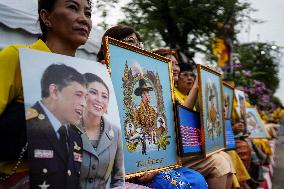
211	109
211	94
65	26
221	176
228	98
262	143
128	35
245	146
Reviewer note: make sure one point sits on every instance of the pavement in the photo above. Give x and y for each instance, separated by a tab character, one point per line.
278	175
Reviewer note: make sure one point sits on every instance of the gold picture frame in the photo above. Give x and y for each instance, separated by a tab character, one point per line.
148	135
255	126
210	95
231	101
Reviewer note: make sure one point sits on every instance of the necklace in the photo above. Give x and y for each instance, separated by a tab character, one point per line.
102	125
19	161
100	132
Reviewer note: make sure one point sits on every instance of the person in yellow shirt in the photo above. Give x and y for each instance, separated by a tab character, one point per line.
65	26
263	148
193	178
261	143
185	82
217	169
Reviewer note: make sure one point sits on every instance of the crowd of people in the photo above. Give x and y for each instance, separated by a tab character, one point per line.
90	155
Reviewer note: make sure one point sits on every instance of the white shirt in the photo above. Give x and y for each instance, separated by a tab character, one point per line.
55	123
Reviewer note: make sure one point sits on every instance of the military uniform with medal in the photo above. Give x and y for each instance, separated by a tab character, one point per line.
49	166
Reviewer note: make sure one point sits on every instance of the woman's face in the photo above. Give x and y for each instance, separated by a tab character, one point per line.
132	40
185	80
97	99
70	21
175	67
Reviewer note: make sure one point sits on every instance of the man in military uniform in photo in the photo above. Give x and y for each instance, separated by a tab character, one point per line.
55	147
145	115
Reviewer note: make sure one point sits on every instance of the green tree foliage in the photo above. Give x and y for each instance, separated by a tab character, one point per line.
188	25
257	72
259	61
102	8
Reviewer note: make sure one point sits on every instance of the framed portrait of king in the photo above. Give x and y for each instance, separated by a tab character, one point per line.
143	88
211	110
228	97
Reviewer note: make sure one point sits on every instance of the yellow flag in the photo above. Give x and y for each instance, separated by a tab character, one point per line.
220	51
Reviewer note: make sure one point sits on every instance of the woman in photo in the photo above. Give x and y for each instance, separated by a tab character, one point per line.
102	148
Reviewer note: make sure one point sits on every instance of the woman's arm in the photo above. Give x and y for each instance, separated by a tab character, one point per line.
191	97
10	77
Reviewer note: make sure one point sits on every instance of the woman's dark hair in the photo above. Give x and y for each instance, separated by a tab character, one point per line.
117	32
48	5
186	67
167	52
90	78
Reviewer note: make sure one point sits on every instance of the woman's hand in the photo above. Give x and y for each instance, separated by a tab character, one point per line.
195	84
148	176
239	127
192	95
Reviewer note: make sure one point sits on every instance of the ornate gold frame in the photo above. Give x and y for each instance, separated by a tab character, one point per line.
262	122
107	40
233	88
200	93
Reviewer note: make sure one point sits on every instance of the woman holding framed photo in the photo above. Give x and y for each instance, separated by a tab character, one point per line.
217	168
155	179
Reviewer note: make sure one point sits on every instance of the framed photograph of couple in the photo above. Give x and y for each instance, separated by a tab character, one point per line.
211	110
143	89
